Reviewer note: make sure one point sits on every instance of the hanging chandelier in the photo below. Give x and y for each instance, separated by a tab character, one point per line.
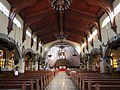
60	5
61	35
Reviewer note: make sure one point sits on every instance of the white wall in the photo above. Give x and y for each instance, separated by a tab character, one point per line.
106	32
16	33
4	19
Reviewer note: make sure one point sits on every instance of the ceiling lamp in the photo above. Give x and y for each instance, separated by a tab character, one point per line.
74	54
49	55
61	35
61	47
60	5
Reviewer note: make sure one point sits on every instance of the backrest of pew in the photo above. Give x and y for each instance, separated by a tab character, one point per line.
44	77
15	85
81	78
97	86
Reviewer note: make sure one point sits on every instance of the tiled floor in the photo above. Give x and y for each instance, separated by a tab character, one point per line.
61	82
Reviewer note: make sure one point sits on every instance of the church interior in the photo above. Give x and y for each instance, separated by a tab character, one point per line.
59	44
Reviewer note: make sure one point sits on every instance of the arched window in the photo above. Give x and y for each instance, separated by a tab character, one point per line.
2	59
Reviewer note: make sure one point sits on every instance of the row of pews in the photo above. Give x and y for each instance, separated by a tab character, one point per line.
86	80
30	80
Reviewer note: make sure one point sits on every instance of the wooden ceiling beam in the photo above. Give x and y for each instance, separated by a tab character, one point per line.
47	36
72	39
108	8
15	9
45	31
48	40
100	13
91	19
41	13
81	12
75	31
39	18
83	15
44	25
100	2
74	36
79	29
76	24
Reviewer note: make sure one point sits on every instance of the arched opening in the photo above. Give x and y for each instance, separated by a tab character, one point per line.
2	59
29	60
9	55
112	57
62	54
95	59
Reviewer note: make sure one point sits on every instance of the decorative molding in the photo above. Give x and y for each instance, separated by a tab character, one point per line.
25	27
97	26
12	42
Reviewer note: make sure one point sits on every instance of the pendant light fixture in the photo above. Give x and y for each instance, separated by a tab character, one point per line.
74	55
49	55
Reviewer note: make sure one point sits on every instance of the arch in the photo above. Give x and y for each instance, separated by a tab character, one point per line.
68	53
112	53
9	45
2	58
29	56
11	42
29	50
95	50
57	43
94	59
110	44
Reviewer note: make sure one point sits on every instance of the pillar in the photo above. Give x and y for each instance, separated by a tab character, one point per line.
22	65
102	70
36	65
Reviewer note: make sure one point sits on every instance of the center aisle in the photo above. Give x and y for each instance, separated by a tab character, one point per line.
61	82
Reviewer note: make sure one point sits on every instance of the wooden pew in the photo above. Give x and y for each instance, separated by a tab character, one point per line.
15	85
43	78
106	87
82	79
30	83
47	76
89	84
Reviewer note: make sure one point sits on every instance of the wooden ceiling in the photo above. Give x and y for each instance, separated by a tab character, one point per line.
44	21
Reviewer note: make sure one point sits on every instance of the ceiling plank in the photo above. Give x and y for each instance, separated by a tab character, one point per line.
39	18
41	13
71	39
45	30
83	12
47	36
78	27
84	15
48	40
74	36
75	32
44	25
